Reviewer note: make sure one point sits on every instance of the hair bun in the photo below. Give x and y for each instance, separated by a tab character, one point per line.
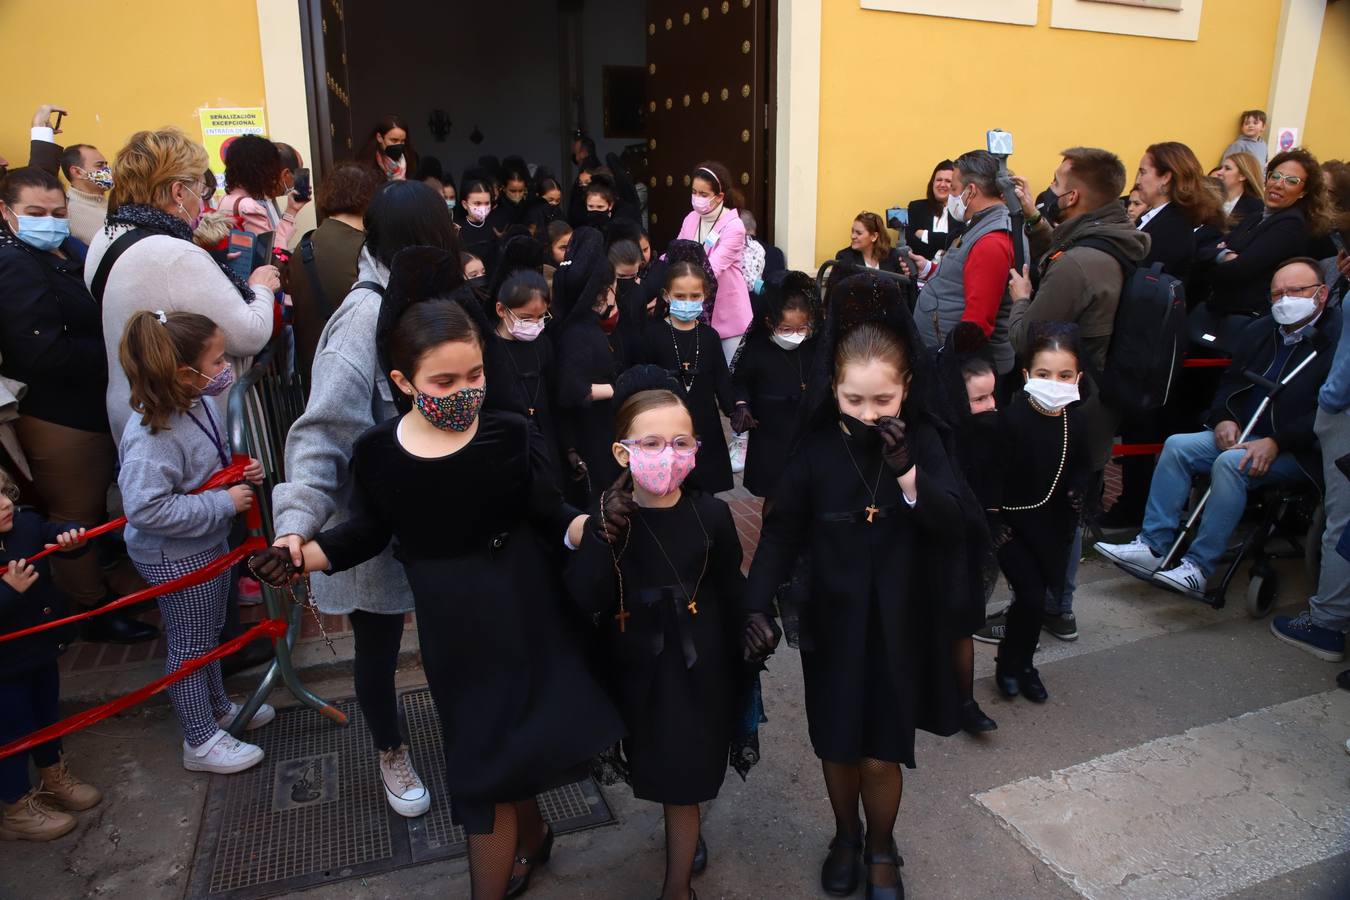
646	378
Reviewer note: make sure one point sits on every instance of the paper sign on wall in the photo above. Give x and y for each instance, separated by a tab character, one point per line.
1286	139
221	126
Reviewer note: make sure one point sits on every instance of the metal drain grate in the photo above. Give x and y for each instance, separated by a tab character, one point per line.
572	807
314	811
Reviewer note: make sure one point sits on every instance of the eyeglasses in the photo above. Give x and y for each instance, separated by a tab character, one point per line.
653	444
1291	180
788	330
546	317
1276	295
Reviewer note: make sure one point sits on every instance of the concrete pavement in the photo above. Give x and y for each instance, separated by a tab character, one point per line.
1184	753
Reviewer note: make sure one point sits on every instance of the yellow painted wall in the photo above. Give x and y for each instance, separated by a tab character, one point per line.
126	67
1327	130
900	92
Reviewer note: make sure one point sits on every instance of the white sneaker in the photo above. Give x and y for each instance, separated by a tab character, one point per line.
1186	578
403	787
221	755
260	718
1136	557
737	448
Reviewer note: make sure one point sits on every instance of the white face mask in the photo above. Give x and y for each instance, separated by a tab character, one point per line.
478	212
956	206
1051	395
788	341
1289	310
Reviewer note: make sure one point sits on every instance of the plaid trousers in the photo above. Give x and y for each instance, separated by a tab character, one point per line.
192	621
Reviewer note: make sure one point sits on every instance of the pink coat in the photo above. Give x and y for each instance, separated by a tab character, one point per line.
731	312
259	218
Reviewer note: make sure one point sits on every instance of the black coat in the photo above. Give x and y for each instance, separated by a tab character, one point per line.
676	675
480	240
922	214
1247	205
1173	242
772	381
871	650
51	336
41	603
1294	410
476	532
695	357
1242	286
534	378
889	263
586	357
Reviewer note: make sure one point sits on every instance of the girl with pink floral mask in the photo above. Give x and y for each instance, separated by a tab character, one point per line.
660	570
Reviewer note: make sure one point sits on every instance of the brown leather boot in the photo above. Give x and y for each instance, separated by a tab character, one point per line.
31	819
65	791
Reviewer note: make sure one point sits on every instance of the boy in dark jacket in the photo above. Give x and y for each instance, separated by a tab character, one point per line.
1281	448
29	685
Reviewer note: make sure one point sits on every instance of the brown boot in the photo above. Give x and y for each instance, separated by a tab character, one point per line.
31	819
65	791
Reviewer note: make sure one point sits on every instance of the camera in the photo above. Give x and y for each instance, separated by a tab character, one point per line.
1000	142
897	217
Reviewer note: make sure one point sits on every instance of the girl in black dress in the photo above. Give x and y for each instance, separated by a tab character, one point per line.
475	234
692	352
589	358
770	376
869	489
472	501
1046	472
662	575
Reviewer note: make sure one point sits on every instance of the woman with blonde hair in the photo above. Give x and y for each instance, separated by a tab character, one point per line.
870	245
1241	177
145	258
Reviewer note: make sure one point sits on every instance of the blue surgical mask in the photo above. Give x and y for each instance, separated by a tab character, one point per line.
686	310
43	232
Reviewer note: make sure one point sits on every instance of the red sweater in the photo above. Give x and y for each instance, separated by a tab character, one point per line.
985	279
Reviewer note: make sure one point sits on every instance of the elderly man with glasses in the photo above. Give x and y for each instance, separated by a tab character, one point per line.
1281	448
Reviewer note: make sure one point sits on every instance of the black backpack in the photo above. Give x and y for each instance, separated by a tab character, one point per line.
1148	340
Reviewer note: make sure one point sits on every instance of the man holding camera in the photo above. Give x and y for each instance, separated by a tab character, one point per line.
970	283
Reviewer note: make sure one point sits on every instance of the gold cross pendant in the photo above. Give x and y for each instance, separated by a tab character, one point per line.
871	513
693	607
622	618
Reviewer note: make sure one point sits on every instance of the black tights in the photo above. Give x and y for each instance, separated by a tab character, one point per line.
963	664
377	637
682	828
490	855
880	785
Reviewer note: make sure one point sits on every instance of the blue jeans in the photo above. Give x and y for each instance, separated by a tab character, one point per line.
1330	606
1063	603
1187	455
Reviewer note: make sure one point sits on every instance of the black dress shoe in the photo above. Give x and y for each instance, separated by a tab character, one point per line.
973	719
1030	682
839	874
521	883
1007	684
117	628
700	857
887	892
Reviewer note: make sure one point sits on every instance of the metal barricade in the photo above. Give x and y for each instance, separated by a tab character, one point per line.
263	404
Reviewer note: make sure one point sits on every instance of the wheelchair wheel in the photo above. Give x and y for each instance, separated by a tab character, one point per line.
1261	594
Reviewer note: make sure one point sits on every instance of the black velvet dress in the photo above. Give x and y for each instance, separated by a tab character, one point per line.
586	357
534	377
695	357
868	629
520	711
772	381
676	675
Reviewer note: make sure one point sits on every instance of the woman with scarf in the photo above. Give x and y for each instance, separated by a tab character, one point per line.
389	149
145	259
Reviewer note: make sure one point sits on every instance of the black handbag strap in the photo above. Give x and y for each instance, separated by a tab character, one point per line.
114	252
370	286
306	249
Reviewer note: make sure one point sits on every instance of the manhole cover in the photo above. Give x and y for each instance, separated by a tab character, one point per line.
314	811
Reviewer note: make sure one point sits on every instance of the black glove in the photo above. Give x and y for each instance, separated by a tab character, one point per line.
616	508
760	637
273	566
742	420
896	448
999	532
1076	499
576	464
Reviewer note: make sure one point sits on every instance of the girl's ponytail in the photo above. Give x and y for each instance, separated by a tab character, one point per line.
153	346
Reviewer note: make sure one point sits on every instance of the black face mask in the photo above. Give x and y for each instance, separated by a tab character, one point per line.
597	218
1053	214
479	283
394	151
866	436
984	424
